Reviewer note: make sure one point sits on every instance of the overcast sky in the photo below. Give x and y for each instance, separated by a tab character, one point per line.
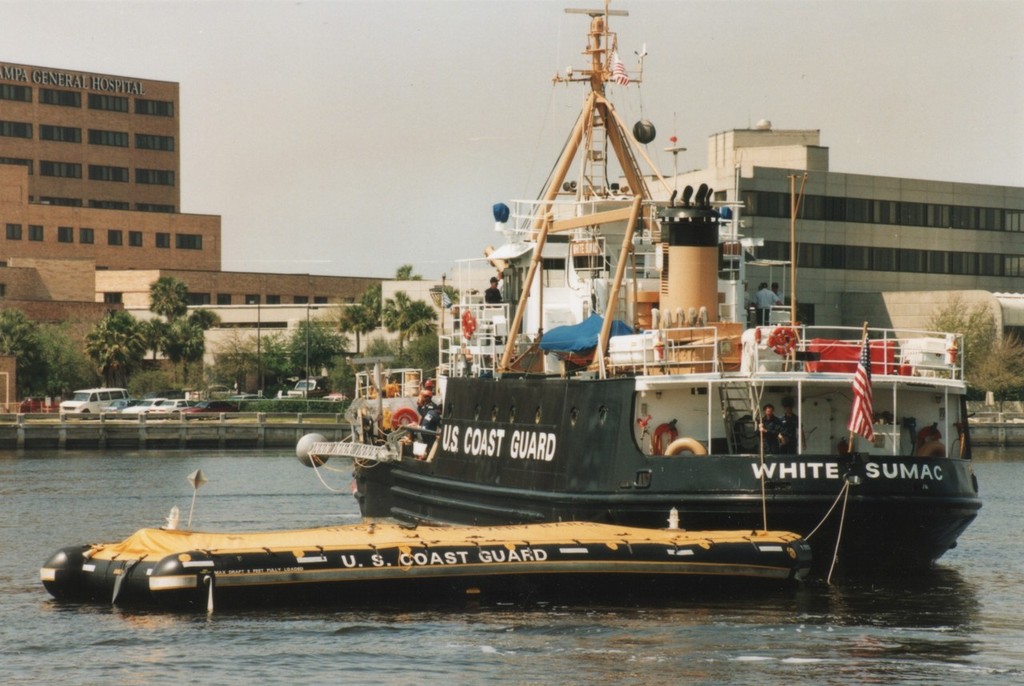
353	136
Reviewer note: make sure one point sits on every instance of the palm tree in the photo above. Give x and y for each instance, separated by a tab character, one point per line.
404	273
168	297
407	317
116	344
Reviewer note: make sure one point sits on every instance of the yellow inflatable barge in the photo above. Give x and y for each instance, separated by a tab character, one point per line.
344	564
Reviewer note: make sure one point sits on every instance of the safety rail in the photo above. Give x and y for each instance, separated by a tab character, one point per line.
525	214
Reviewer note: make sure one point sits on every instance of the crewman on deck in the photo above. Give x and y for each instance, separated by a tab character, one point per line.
771	430
790	433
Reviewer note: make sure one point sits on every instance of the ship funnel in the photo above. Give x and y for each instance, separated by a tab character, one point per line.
689	276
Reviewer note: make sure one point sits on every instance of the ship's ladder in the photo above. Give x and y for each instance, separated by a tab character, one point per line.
739	413
595	171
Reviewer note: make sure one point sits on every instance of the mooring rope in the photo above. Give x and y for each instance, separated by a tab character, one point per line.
839	534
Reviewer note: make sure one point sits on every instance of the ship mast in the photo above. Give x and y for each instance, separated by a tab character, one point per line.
598	125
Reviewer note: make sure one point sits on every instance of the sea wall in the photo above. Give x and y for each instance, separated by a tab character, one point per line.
242	430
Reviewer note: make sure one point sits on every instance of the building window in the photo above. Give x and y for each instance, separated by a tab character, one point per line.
198	298
155	177
163	240
159	108
66	170
3	290
109	204
87	236
300	299
65	234
110	103
35	232
273	300
223	298
135	239
49	96
9	91
62	134
113	298
56	200
188	241
320	299
252	299
115	237
19	161
15	129
117	139
150	207
98	172
14	232
145	141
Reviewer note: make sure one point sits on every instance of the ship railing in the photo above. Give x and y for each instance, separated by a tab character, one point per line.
683	350
832	349
476	354
525	216
394	383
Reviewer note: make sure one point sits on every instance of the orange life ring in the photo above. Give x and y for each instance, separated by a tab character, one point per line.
685	445
404	416
782	340
664	436
468	323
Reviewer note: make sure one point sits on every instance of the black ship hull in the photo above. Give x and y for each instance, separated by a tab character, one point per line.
493	468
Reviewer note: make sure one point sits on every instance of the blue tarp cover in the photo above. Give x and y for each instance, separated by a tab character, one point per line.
576	338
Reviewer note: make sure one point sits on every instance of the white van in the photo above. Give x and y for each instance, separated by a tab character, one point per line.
93	399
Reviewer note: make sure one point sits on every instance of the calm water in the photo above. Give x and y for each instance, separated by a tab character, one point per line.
963	623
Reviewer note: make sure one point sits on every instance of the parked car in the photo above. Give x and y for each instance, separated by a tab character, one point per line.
144	406
172	405
120	405
336	397
92	399
210	407
32	405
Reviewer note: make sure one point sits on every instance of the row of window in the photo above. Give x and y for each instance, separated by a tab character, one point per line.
908	260
101	172
226	299
103	204
87	236
96	101
73	134
893	212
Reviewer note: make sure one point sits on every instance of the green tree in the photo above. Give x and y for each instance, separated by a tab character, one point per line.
408	317
314	346
116	345
168	297
976	324
362	318
19	337
1002	369
64	363
155	333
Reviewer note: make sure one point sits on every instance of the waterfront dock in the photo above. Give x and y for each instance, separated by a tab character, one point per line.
241	430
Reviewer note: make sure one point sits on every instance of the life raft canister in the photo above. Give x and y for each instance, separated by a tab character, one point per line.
664	436
782	340
468	323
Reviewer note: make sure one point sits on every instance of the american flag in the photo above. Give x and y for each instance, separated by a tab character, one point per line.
619	74
861	420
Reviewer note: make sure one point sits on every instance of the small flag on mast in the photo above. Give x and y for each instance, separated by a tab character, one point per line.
862	418
619	74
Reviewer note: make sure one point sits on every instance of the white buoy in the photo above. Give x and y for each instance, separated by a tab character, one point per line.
303	447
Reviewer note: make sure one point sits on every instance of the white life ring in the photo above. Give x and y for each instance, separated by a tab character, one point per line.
686	445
